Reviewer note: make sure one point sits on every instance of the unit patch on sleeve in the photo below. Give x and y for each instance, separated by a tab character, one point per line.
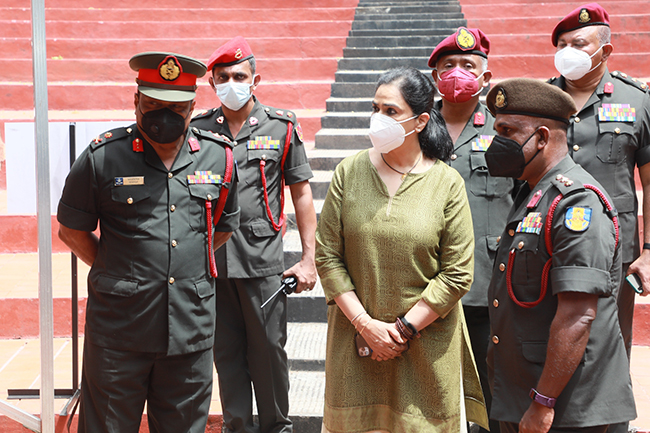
616	113
532	223
482	143
263	143
577	219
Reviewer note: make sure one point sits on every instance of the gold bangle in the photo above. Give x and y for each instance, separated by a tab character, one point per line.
357	318
364	326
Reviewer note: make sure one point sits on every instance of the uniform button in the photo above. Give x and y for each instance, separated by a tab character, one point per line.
520	245
129	200
495	303
576	148
129	130
617	130
196	130
453	157
171	280
170	175
495	339
502	267
172	208
577	119
498	239
511	232
209	197
174	243
264	157
234	143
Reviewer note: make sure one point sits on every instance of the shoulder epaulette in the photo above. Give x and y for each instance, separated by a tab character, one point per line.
631	81
567	186
276	113
205	113
212	136
112	135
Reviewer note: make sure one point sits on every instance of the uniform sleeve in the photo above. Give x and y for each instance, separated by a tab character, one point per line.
456	254
582	260
296	166
78	208
643	119
229	220
330	243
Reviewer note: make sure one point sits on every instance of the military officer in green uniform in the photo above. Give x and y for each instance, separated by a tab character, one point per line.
268	148
609	135
556	358
164	195
460	71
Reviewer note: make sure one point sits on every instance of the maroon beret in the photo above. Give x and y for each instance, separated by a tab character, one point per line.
232	52
463	41
591	14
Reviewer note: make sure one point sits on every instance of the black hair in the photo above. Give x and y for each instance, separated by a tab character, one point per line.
417	90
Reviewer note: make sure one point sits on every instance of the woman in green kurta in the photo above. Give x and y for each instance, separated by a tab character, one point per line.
395	240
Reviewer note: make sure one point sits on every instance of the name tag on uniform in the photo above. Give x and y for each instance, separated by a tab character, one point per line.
125	181
265	142
616	113
482	143
203	177
532	223
577	219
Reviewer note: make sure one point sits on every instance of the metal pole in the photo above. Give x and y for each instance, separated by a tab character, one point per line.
43	216
75	282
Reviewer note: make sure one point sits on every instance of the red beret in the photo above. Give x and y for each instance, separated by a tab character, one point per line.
232	52
591	14
463	41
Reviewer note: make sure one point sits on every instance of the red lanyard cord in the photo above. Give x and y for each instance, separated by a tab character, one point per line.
277	226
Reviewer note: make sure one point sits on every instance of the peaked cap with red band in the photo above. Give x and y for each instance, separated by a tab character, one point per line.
232	52
167	76
463	41
591	14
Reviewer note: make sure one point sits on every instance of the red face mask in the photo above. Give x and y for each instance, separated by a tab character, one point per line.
458	85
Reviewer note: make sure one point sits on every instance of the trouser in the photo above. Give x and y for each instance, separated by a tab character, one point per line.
478	326
625	304
115	385
249	348
510	427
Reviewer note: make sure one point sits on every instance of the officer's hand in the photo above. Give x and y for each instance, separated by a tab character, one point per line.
537	419
384	340
305	273
641	267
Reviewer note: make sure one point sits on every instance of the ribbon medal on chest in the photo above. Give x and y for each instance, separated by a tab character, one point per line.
616	113
482	143
265	142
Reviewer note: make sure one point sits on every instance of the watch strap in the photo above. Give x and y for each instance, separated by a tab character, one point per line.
542	399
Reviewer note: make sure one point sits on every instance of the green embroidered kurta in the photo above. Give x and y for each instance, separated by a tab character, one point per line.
393	252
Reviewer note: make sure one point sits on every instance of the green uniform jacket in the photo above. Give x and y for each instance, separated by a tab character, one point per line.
608	146
255	250
586	260
149	289
490	198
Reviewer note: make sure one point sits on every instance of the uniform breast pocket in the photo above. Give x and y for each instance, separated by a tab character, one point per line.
481	184
199	194
132	204
527	265
615	142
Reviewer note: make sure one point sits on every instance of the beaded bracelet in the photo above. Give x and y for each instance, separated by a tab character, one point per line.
412	330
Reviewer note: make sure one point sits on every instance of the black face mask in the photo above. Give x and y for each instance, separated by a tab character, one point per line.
505	157
163	125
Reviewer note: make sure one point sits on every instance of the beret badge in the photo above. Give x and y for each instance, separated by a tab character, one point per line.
170	68
239	54
584	16
465	40
500	100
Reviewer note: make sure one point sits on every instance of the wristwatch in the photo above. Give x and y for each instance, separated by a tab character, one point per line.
542	399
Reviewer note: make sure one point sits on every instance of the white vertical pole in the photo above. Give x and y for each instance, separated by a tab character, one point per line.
44	216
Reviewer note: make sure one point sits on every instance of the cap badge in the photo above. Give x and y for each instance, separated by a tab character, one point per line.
500	101
464	39
170	68
584	16
239	54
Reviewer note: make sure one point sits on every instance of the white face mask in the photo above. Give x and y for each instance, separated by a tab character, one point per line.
234	95
574	64
386	133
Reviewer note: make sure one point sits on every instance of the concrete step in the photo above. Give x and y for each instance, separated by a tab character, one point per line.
366	52
394	41
306	345
348	104
453	21
442	31
328	159
397	10
389	16
97	48
369	76
90	95
381	63
346	120
343	139
353	89
290	211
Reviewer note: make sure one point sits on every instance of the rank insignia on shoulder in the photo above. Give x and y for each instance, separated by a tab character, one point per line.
532	223
299	133
577	219
203	177
534	199
482	143
263	143
616	113
479	119
108	135
194	144
609	88
137	145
